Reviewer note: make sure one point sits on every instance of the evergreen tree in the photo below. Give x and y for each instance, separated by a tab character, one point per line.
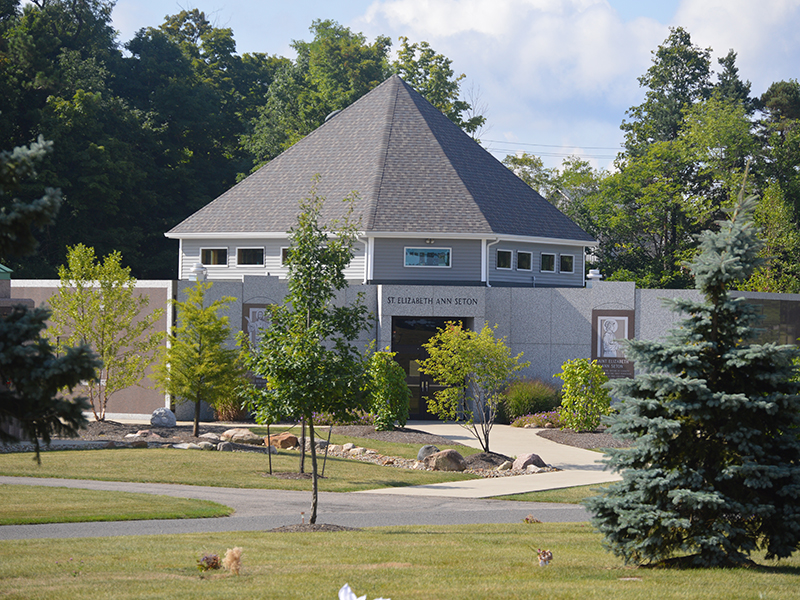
33	376
196	366
713	472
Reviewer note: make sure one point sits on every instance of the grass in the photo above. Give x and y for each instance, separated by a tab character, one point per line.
403	563
216	469
23	504
571	495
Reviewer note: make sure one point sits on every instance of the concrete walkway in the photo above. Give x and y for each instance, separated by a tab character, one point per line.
578	466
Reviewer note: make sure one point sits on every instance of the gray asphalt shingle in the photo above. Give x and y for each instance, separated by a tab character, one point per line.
412	168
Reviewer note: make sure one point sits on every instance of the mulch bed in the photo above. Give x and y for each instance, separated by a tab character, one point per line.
113	431
303	528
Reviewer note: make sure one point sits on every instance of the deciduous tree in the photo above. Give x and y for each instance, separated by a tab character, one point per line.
97	304
308	355
476	367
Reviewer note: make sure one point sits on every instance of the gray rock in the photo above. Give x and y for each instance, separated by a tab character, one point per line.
533	469
225	447
426	451
505	466
211	437
207	446
524	460
348	446
186	446
163	417
446	460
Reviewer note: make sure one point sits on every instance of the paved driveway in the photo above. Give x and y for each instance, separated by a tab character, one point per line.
260	510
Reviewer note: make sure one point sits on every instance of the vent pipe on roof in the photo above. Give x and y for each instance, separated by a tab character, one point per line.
333	114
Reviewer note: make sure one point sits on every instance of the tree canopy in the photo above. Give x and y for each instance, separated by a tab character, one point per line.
687	148
149	130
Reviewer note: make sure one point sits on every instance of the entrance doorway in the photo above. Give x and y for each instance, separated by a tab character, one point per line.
408	335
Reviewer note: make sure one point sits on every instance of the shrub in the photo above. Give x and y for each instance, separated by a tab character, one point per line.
541	419
529	396
584	398
388	391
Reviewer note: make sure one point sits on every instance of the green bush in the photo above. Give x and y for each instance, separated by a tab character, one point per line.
529	396
584	399
388	391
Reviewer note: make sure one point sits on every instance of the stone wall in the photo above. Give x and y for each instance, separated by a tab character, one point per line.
548	325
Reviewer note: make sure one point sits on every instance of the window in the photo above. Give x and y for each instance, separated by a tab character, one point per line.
524	261
504	259
548	263
567	263
284	256
427	257
250	256
214	256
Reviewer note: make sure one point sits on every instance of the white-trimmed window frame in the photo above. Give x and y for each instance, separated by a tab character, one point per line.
284	256
560	264
439	249
263	256
212	248
530	259
510	259
541	262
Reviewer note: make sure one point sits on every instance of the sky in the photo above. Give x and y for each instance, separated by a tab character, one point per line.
555	77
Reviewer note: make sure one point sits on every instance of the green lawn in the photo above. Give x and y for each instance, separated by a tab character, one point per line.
572	495
492	562
220	469
25	504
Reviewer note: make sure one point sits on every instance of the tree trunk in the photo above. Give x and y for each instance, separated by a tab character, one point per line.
303	446
196	428
269	453
314	486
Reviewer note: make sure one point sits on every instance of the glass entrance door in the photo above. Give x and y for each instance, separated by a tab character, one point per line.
408	335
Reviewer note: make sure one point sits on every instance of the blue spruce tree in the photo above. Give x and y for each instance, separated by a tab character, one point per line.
713	473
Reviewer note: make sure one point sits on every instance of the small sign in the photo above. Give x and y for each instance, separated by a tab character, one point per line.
610	329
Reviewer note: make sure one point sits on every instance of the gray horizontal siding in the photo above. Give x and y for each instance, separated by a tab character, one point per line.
389	261
535	277
272	259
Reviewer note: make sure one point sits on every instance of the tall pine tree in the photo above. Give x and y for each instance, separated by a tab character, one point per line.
713	473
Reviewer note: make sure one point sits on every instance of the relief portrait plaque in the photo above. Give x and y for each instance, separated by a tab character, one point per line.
609	330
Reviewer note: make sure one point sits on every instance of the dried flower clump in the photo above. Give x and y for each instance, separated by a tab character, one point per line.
530	520
233	560
208	562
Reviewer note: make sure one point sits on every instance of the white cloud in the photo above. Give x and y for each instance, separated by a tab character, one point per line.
765	35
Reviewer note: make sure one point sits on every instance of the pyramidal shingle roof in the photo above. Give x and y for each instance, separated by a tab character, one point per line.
413	170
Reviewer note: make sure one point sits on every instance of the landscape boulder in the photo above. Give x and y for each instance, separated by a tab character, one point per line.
242	435
524	460
283	440
446	460
163	417
426	451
